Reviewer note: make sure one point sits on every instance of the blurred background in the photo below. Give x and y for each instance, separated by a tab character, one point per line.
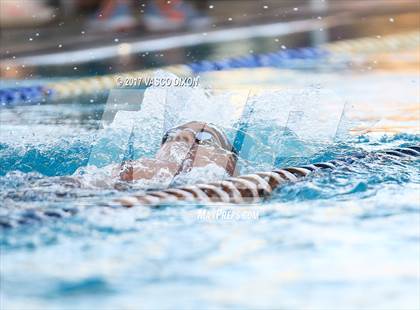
52	38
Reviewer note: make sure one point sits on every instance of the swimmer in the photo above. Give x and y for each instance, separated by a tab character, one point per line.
194	144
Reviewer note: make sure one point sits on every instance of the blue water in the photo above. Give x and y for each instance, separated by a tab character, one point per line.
341	239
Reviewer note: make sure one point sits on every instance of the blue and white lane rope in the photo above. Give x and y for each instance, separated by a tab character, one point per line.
344	50
24	95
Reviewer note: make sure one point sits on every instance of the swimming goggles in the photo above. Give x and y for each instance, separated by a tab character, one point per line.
202	137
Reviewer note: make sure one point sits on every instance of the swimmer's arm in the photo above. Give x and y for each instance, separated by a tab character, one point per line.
144	169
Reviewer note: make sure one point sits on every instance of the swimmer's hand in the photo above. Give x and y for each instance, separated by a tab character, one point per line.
145	168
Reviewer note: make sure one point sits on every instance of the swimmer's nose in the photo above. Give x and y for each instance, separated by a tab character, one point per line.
186	138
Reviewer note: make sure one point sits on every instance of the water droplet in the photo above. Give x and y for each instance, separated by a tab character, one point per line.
31	39
295	9
116	40
211	6
265	7
37	34
60	46
82	32
230	19
283	47
74	68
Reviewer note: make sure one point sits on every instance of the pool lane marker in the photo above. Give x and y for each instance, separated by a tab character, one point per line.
330	52
246	189
250	188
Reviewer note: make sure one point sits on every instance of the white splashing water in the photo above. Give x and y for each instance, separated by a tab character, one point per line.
304	119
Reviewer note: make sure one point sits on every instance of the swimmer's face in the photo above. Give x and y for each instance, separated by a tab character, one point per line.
196	145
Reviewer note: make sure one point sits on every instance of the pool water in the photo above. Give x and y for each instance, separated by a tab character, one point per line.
341	239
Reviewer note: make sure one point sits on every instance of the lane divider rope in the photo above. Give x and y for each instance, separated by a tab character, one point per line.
243	189
249	188
341	50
